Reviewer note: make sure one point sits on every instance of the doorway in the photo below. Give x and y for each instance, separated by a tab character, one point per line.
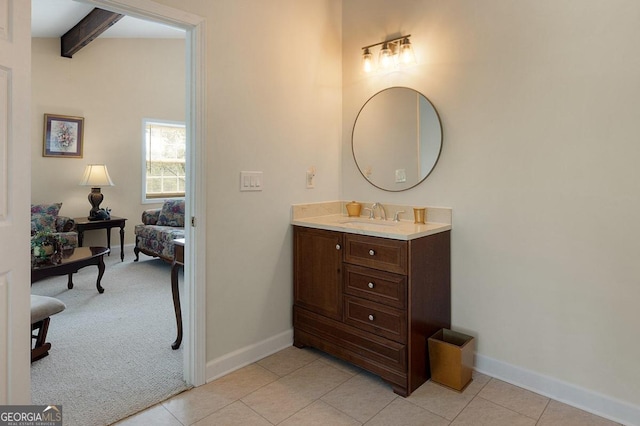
194	277
195	272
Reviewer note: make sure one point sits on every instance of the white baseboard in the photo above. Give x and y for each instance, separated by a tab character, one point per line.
247	355
584	399
128	249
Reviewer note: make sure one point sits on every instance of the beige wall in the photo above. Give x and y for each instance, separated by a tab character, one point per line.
113	84
539	102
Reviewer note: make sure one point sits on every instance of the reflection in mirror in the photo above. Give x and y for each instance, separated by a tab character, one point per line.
397	139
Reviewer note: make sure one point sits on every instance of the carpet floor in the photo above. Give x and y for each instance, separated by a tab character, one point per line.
111	353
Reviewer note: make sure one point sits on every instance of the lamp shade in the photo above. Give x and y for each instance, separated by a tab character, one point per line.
96	176
407	57
385	57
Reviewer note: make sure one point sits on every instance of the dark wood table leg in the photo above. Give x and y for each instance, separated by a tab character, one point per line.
100	274
41	347
80	237
122	243
70	282
176	303
109	241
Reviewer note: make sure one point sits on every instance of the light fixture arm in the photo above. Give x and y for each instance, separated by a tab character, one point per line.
391	41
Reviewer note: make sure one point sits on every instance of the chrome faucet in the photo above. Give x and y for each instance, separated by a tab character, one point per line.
371	212
396	217
383	214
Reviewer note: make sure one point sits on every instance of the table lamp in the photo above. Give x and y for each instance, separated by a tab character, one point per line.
95	176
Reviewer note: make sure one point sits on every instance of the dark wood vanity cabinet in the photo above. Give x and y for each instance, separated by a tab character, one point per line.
372	301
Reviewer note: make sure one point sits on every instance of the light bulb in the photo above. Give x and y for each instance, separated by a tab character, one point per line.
385	58
406	53
367	61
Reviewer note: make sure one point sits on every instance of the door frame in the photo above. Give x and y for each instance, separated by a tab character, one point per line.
194	312
15	184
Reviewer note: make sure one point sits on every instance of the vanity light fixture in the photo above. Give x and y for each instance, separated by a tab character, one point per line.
394	52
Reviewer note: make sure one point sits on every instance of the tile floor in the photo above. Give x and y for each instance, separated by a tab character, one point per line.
306	387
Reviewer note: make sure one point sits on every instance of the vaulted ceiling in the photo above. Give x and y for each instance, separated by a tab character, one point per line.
54	18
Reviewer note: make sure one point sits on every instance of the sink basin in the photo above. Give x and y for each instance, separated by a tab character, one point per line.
368	222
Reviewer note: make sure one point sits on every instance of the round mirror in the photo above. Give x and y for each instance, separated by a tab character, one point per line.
397	138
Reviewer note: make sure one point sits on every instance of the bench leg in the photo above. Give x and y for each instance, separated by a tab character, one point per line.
41	347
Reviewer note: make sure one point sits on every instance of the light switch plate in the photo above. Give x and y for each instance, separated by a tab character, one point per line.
251	181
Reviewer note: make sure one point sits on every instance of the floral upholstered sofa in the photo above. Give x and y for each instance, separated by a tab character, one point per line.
154	237
45	219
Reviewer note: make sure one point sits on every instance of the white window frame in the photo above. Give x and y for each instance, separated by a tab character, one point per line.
145	123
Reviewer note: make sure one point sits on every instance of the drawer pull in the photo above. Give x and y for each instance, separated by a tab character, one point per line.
372	252
338	247
370	285
371	317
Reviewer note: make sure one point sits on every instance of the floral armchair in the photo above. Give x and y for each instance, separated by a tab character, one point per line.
45	218
154	237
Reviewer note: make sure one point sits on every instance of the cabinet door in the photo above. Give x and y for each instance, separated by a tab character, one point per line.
318	271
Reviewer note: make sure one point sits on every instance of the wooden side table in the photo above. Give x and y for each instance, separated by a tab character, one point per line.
84	224
178	261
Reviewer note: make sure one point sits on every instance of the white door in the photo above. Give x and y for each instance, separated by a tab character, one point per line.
15	195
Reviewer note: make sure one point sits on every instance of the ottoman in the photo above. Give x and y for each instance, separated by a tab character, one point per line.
42	307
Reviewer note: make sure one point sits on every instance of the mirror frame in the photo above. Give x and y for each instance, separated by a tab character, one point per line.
354	129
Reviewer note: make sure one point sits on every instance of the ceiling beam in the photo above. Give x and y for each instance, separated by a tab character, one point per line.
87	30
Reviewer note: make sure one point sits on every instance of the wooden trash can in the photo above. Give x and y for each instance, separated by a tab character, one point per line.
451	358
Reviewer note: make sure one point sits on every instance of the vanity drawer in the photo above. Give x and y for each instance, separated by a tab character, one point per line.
374	353
378	286
376	318
374	252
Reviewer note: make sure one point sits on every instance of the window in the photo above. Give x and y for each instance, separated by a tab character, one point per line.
164	160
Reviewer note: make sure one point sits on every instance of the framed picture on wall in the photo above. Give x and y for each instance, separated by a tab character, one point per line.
63	136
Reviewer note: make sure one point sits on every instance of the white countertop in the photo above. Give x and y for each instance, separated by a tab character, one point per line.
332	216
403	230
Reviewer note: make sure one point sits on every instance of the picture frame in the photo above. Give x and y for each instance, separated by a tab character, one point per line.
63	136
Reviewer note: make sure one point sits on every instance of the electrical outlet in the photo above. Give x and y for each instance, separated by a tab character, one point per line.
311	179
